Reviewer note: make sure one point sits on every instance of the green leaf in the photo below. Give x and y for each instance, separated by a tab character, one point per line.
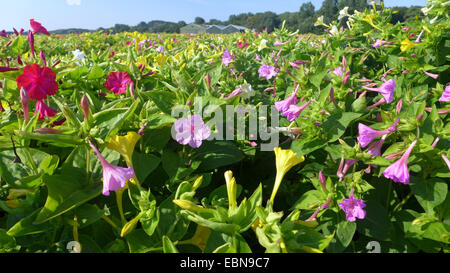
376	224
65	193
144	164
304	146
88	214
139	242
49	164
217	154
309	200
26	227
163	99
168	246
430	193
336	124
7	242
345	232
96	73
438	231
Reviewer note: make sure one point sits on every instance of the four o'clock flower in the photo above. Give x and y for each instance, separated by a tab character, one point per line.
353	208
367	134
445	95
278	42
191	131
38	28
25	106
398	171
294	111
283	105
227	57
338	71
386	90
85	106
114	177
44	110
38	81
267	71
31	41
378	43
117	82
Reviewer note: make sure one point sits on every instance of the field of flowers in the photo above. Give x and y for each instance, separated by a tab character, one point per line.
93	159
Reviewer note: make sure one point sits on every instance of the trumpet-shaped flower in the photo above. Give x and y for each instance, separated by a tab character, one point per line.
231	188
227	57
285	160
7	69
398	171
387	90
343	13
278	43
25	103
283	105
38	28
267	71
38	81
445	95
124	145
367	134
78	55
353	208
117	82
191	131
44	110
114	177
262	44
406	45
294	111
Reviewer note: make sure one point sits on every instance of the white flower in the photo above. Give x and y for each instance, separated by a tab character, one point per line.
319	21
247	90
78	55
426	10
262	44
343	13
334	30
445	4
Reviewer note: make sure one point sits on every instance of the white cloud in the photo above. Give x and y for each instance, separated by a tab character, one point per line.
73	2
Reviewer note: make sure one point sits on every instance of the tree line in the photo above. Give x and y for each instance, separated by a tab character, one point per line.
303	19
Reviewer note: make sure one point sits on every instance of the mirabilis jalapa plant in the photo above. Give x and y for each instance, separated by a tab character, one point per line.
363	154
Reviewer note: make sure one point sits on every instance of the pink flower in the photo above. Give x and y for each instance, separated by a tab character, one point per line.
294	111
386	90
3	34
227	57
25	103
445	95
367	134
38	28
283	105
191	131
114	177
353	208
38	81
235	93
44	110
446	160
375	148
84	103
267	71
117	82
378	43
31	41
434	76
398	171
278	42
338	71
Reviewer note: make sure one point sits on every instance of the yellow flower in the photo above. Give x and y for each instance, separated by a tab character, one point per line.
285	160
369	19
407	44
124	145
161	60
231	188
200	237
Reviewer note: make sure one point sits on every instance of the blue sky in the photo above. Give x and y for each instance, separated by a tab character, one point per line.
92	14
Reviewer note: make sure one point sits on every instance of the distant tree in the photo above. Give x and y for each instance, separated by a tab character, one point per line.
215	22
141	27
121	28
329	10
199	20
307	10
261	21
181	23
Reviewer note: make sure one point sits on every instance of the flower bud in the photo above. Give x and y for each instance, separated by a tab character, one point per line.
25	105
85	106
190	206
129	227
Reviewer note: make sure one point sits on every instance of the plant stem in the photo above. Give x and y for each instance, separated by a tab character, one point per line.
389	194
403	202
119	195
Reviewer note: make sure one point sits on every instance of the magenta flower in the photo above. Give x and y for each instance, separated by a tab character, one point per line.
44	110
386	90
117	82
353	208
445	95
284	105
114	177
191	131
375	148
267	71
235	93
227	57
7	69
398	171
38	28
294	111
367	134
31	41
3	34
434	76
342	171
